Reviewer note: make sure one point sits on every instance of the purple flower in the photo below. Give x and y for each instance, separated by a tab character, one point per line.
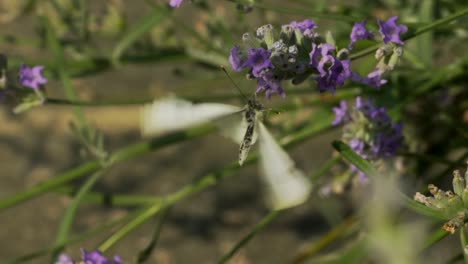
364	105
237	59
380	117
387	144
332	71
307	24
259	60
32	77
373	79
94	257
359	32
64	259
335	76
357	145
341	114
175	3
391	31
270	85
321	54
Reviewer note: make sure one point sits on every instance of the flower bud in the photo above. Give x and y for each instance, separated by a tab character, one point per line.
458	183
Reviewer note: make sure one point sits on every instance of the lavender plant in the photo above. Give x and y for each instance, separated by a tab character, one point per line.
406	128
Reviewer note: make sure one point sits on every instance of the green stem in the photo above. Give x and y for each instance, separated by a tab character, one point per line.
206	181
348	92
76	239
257	228
415	33
272	215
146	253
110	199
57	51
463	243
305	12
70	213
326	240
126	153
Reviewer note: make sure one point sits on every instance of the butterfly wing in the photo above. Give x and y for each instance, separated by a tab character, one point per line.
286	185
171	114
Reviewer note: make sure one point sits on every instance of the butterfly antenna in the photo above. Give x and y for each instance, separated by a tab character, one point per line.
235	85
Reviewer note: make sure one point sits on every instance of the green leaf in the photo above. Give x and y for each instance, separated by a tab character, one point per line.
424	42
354	158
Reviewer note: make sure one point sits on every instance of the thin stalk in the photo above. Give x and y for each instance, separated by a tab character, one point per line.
464	243
274	214
303	11
111	199
326	240
125	153
415	33
205	182
57	51
75	239
313	99
146	253
70	213
257	228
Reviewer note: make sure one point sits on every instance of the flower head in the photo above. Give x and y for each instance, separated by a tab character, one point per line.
259	60
175	3
270	85
391	31
370	131
307	24
359	32
32	76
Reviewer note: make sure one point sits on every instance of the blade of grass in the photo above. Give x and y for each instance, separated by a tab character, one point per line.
320	125
257	229
70	213
424	42
326	240
156	16
111	199
303	12
146	253
75	239
348	154
463	243
125	153
57	51
270	217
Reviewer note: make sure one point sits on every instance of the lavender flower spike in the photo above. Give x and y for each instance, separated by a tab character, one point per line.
391	31
359	32
32	76
175	3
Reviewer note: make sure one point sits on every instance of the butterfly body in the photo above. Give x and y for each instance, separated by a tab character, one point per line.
253	112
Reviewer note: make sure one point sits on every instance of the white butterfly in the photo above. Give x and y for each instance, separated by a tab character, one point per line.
286	185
